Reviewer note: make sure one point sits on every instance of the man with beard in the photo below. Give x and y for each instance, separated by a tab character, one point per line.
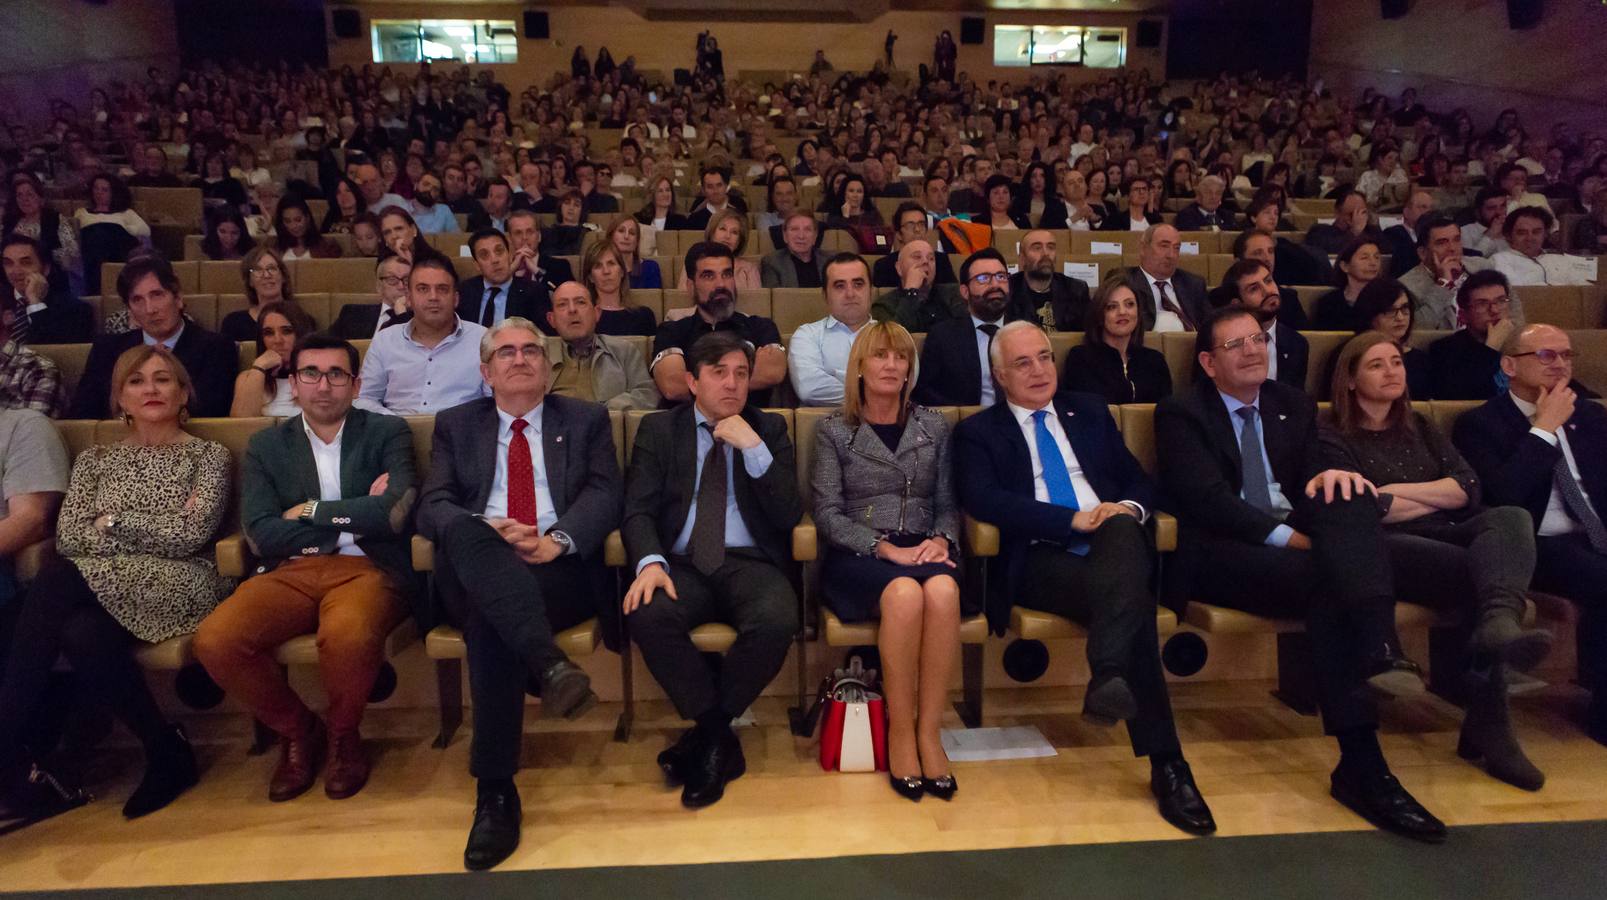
432	216
1483	235
955	369
1037	283
714	292
1249	284
1263	246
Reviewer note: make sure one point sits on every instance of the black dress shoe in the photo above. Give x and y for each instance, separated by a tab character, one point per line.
910	787
942	787
1179	798
1391	674
677	757
1382	801
170	770
718	761
1109	700
495	835
566	691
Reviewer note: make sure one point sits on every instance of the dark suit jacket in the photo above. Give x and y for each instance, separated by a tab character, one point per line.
1053	217
1294	355
1401	245
357	320
1097	369
1464	368
698	219
1515	467
951	371
583	476
526	298
660	485
1201	471
211	359
1290	312
1193	218
1122	220
278	472
884	274
64	320
1188	290
993	470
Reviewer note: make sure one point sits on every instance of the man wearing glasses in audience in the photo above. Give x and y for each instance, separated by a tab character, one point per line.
910	224
363	321
1465	363
955	370
336	564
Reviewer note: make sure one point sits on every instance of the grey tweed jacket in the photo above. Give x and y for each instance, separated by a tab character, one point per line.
863	491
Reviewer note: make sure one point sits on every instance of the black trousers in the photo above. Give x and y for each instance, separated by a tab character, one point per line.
1569	567
748	593
1108	592
508	612
61	616
1340	588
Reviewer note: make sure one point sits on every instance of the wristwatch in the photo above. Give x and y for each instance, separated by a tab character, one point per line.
562	540
308	510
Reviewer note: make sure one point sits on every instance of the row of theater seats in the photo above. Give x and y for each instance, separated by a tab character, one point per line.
1590	346
445	646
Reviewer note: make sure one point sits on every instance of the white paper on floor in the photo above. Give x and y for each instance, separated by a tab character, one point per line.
981	744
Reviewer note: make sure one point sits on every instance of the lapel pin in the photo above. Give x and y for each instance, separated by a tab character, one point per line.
1281	417
559	439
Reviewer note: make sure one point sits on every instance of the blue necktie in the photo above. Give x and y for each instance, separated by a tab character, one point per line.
1056	478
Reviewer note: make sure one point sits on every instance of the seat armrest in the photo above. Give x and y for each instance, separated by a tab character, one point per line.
981	538
32	558
805	540
1165	532
614	549
423	554
234	556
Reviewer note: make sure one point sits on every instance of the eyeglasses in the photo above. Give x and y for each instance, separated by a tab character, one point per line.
1492	303
1026	364
1550	357
509	352
1399	312
337	377
982	279
1259	339
393	280
265	270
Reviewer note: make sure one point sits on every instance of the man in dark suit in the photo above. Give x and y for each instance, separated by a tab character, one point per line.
522	491
155	301
1038	281
496	293
1264	246
1248	284
1206	213
1400	240
524	238
1268	529
1169	298
593	200
717	197
325	505
880	181
910	224
1352	219
40	314
1538	447
1135	191
495	210
707	535
1071	503
954	359
362	321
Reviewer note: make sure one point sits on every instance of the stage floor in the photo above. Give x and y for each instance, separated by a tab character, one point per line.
591	802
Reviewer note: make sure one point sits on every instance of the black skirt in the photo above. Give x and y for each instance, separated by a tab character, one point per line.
851	585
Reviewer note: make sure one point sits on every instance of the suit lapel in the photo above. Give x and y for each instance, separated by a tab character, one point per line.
301	459
1274	431
1221	425
485	452
1020	458
552	447
971	364
350	446
683	450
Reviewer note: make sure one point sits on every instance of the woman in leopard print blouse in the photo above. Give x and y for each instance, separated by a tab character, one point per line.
133	534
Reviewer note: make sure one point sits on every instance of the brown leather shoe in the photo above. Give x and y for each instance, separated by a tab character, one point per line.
348	765
299	760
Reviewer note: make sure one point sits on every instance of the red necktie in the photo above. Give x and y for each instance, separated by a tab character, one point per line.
521	477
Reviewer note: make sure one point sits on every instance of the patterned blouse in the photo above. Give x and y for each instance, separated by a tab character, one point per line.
152	571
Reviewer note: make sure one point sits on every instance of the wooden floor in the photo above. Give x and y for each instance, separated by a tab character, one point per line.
591	802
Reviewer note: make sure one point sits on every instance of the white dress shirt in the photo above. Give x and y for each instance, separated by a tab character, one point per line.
496	503
402	377
1138	225
982	342
1478	238
1086	498
1518	268
1272	350
1556	520
817	360
1165	320
326	457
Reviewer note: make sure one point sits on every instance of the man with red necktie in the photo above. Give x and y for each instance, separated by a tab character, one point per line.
522	491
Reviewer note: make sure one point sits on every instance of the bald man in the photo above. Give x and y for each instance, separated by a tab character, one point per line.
1542	445
919	302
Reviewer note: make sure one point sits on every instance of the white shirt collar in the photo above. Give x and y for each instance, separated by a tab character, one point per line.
170	343
532	417
1528	409
1154	281
833	324
1024	415
318	442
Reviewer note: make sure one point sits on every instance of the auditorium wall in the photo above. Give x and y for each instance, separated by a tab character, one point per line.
766	46
61	48
1462	53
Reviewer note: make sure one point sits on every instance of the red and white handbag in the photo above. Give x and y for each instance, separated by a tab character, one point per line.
853	736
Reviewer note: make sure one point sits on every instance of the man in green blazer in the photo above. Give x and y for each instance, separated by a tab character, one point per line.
327	504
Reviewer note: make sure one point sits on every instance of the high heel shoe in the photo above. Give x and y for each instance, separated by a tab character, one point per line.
942	787
908	787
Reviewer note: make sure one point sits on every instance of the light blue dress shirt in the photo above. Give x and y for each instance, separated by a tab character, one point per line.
817	360
982	341
1282	507
402	377
501	302
755	460
170	343
435	219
